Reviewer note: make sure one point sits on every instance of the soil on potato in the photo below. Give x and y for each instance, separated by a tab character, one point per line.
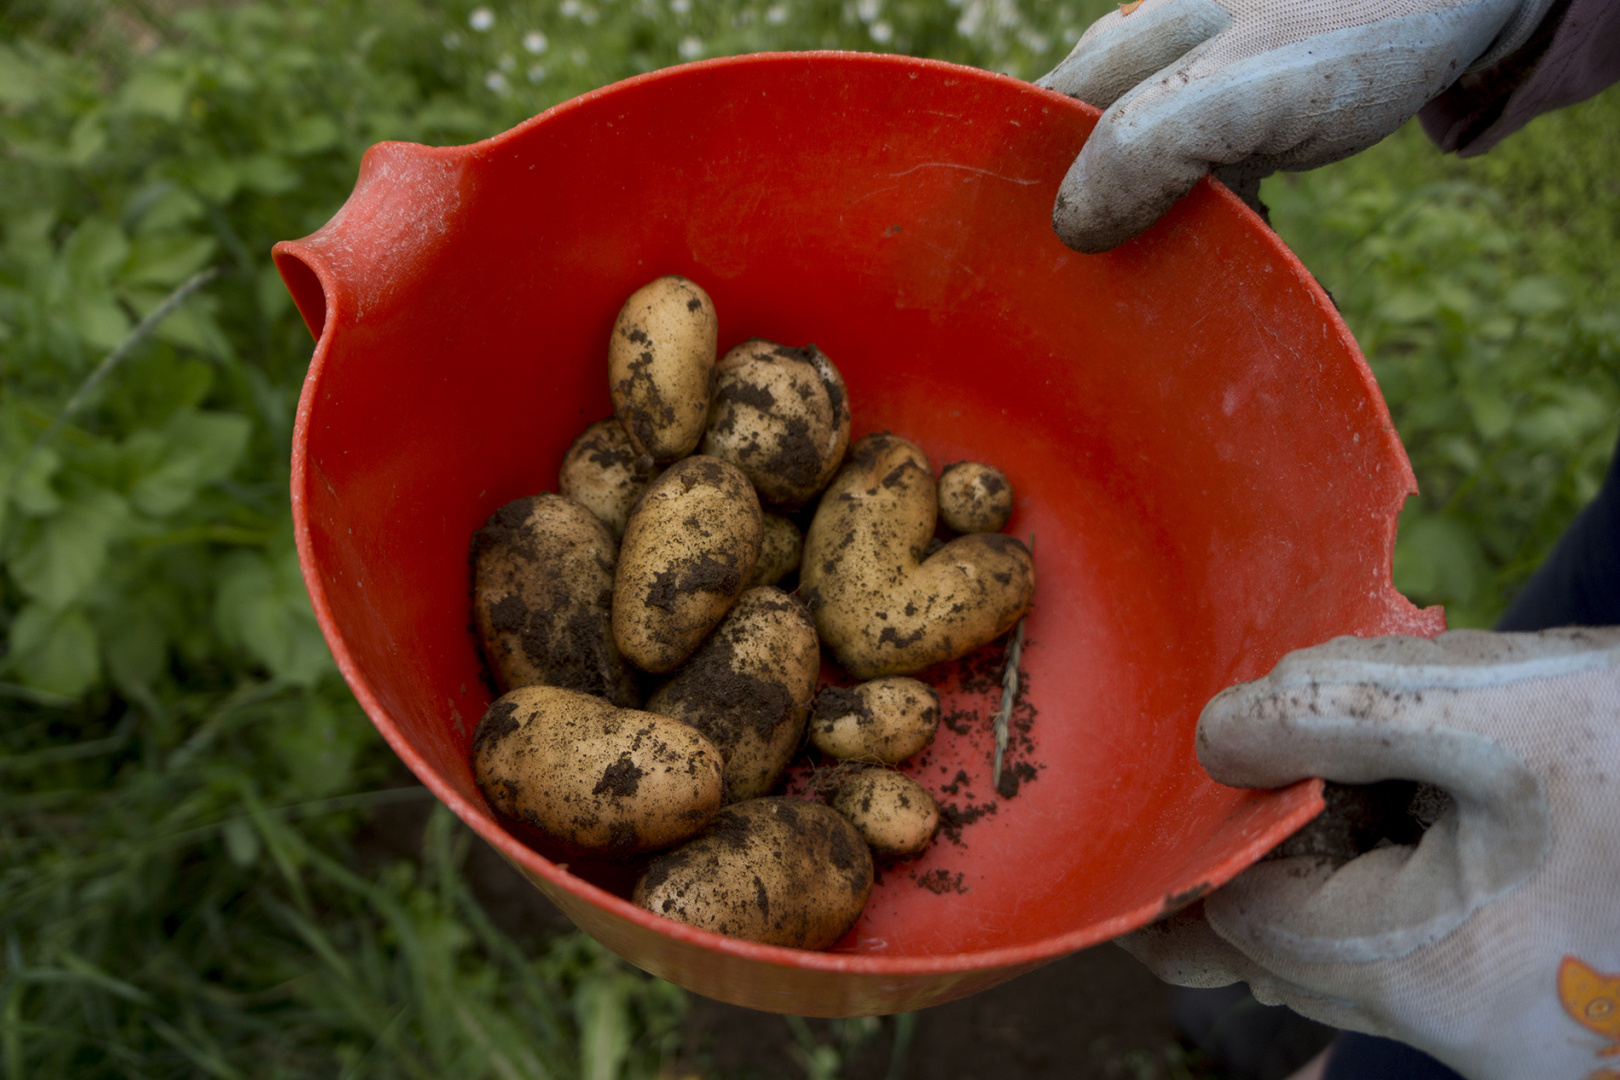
1096	1014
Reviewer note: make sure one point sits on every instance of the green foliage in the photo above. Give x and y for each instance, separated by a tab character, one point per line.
1486	297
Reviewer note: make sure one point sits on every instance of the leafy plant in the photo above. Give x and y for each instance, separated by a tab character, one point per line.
1494	333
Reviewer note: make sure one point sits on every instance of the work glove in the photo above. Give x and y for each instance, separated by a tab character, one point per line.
1493	943
1257	85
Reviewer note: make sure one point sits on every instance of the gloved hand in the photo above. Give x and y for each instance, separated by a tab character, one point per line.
1191	84
1494	943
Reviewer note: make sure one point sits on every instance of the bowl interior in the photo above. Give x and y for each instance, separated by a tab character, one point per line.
1199	451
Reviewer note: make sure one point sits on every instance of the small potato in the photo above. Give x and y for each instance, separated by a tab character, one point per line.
605	473
780	415
661	366
974	497
779	551
749	689
690	546
601	781
883	721
543	571
781	871
894	814
879	605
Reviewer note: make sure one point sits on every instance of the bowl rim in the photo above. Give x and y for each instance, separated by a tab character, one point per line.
1307	793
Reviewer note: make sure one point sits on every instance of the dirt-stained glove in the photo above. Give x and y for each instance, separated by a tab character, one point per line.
1494	943
1192	84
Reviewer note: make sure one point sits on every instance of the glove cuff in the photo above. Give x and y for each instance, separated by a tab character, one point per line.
1514	33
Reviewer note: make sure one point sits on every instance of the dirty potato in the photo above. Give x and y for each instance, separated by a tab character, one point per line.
543	570
781	415
601	781
878	604
883	721
605	473
781	871
748	689
689	548
779	550
661	366
894	814
974	497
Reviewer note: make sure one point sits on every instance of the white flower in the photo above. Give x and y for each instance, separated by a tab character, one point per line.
481	19
535	42
537	73
881	32
452	40
569	8
680	7
691	47
869	10
776	14
496	82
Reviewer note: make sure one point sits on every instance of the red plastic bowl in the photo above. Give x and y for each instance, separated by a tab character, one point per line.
1196	442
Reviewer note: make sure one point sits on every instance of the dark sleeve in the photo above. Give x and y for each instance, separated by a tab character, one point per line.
1573	54
1579	584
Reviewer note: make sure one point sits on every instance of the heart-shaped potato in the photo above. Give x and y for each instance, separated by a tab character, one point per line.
880	605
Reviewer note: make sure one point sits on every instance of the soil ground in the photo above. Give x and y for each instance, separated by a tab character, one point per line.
1097	1013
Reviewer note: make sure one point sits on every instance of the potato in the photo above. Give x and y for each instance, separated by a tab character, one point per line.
605	473
781	871
974	497
883	721
894	814
601	781
690	546
779	551
661	366
543	570
749	689
878	604
781	416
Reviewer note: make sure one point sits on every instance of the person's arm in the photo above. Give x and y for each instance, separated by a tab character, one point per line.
1573	54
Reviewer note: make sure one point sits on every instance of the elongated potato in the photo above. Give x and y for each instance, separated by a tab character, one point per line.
661	366
779	551
543	570
781	415
878	604
749	689
894	814
689	549
781	871
883	721
601	781
605	473
974	497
